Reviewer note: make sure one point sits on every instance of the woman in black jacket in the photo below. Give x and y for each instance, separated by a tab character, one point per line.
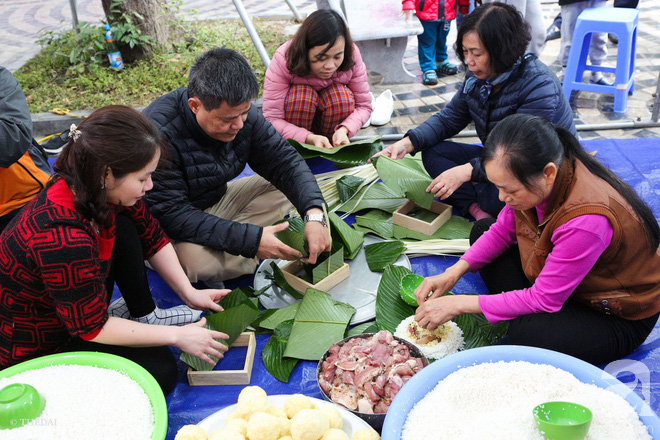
501	80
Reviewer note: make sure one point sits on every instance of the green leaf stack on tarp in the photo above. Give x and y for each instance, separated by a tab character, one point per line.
355	153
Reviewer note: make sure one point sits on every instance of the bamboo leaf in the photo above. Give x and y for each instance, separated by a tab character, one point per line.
256	324
365	327
380	254
279	279
232	321
390	307
478	332
405	179
353	154
349	237
378	196
319	323
334	261
273	353
378	222
280	315
293	235
347	186
457	227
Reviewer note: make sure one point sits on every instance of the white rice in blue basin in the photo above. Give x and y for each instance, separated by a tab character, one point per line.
84	402
495	401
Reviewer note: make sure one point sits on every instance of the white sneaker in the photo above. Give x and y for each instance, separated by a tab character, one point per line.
384	107
373	106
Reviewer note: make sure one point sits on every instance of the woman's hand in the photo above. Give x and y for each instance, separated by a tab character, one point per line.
440	284
437	311
340	137
205	299
318	141
446	183
200	342
397	150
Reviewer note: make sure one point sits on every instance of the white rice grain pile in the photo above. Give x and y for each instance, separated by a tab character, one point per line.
495	401
84	402
452	338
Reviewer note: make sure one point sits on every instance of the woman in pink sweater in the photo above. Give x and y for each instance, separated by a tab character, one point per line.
572	260
316	89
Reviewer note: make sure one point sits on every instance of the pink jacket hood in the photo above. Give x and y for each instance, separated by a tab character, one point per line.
279	80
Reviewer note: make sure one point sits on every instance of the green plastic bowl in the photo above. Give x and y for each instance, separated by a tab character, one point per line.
111	362
409	283
19	403
562	420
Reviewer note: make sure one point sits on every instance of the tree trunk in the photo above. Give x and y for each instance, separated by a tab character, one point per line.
152	20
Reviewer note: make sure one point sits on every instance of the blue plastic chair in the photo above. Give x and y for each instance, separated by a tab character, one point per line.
619	21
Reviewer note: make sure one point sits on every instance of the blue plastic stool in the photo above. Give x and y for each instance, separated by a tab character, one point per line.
619	21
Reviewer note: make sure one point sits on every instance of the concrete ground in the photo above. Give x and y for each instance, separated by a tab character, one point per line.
22	22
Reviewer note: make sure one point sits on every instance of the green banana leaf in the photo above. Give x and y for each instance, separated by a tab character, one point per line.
232	321
457	227
349	237
365	327
377	222
353	154
273	353
405	179
375	196
293	235
347	186
380	254
278	278
256	324
319	323
478	332
280	315
390	307
391	310
329	264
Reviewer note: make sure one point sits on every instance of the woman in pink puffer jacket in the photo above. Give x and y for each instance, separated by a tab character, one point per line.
316	89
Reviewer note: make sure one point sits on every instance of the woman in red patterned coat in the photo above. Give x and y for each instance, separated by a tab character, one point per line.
60	257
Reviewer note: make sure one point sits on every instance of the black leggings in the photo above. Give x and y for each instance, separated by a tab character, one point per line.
128	271
576	329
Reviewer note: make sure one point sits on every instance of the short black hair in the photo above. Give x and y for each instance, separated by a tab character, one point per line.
222	75
502	30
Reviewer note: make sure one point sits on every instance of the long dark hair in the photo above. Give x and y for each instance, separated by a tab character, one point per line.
502	30
528	143
115	137
320	28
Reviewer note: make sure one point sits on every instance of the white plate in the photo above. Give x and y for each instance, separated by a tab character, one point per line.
358	290
215	421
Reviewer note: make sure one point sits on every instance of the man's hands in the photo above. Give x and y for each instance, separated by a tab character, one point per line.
271	247
446	183
317	237
397	150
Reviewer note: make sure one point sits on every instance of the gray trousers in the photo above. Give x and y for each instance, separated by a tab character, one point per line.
531	11
598	46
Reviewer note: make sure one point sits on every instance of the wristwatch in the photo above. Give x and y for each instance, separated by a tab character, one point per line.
316	218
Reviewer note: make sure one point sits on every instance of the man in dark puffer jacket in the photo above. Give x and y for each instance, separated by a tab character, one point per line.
218	227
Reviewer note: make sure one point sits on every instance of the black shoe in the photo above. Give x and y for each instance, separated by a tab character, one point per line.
613	38
552	33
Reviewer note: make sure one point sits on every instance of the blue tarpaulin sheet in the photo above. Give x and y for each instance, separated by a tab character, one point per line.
635	160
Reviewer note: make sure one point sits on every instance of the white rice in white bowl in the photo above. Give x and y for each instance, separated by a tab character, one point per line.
495	401
84	402
452	338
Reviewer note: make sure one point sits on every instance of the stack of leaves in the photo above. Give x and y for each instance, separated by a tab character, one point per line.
391	309
353	154
304	330
340	186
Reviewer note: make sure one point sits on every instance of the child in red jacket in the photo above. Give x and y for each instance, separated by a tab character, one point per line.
435	16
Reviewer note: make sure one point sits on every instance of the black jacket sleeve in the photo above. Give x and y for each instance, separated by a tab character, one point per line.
15	120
